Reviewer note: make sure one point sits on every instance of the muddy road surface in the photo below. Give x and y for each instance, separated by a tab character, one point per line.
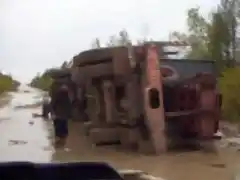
24	138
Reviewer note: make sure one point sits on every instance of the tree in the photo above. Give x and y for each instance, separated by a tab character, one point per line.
229	86
113	41
7	83
96	43
230	9
122	39
64	65
214	38
219	41
222	34
222	46
197	25
197	36
42	81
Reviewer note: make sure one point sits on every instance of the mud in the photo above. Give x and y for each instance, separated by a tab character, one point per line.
24	137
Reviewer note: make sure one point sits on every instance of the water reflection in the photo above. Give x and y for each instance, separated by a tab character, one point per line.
22	137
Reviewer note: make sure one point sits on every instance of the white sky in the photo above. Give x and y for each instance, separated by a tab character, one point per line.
36	34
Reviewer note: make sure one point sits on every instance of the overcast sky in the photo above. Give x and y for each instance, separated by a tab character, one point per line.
36	34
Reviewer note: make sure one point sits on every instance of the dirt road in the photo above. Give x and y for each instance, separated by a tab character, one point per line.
30	139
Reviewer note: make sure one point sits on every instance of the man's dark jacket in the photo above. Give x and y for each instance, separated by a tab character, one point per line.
60	102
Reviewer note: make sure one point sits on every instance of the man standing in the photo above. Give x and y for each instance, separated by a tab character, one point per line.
46	107
61	111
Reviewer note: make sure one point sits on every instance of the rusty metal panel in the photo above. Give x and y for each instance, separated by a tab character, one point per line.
189	68
93	71
74	76
109	100
121	63
154	115
207	119
94	56
135	100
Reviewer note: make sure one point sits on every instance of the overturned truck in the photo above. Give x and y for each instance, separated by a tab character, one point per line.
140	98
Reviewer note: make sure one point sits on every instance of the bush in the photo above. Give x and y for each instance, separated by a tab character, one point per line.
41	82
7	83
229	86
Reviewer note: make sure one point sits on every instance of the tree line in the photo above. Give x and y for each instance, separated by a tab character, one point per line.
213	38
7	83
216	38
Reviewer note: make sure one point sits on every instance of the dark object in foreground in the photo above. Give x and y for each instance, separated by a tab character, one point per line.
57	171
60	127
61	131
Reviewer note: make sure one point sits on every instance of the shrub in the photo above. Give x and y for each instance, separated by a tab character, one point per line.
7	83
229	86
41	82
